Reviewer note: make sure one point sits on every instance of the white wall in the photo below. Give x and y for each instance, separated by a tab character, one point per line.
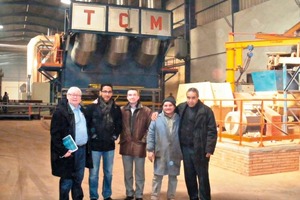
14	74
41	91
13	89
208	57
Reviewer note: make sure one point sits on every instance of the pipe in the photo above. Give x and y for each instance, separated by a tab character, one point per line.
150	47
118	47
148	51
13	48
32	53
151	4
118	2
84	46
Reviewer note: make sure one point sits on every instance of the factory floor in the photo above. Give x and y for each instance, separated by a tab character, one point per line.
25	172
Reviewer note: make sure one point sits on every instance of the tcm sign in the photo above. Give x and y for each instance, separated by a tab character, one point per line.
120	20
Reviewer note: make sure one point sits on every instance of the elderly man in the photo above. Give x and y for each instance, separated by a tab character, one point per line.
69	119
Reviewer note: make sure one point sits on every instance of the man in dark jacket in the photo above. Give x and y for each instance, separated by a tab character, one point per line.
104	121
5	101
198	137
136	120
69	119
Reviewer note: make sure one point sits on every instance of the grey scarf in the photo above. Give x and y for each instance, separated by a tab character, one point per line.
107	117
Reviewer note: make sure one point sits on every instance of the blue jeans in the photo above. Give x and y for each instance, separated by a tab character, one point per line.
74	183
108	161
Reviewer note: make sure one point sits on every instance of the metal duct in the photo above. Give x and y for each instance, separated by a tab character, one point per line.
32	52
150	47
118	47
124	2
118	2
148	51
151	4
84	46
13	48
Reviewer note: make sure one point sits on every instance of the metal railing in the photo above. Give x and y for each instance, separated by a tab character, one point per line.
50	57
25	110
266	127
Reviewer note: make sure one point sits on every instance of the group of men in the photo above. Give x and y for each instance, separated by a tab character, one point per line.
96	128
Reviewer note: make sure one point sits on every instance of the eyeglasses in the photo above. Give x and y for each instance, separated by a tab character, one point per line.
75	95
107	92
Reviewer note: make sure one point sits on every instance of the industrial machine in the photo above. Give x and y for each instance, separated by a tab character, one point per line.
118	42
272	108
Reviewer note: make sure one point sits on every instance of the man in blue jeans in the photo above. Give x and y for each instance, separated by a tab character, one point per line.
104	120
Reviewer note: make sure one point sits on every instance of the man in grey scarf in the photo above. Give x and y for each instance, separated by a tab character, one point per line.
104	121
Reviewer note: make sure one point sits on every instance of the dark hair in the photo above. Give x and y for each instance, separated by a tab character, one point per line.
106	84
134	89
192	89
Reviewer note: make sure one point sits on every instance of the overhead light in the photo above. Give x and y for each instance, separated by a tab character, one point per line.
65	1
1	27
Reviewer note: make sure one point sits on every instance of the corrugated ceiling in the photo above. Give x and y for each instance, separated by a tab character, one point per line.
24	19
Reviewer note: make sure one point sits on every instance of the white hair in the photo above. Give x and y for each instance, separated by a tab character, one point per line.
74	89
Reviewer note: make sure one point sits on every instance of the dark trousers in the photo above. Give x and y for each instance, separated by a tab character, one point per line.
194	171
74	184
4	108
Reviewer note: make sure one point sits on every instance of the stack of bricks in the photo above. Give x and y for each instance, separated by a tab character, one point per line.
252	161
273	121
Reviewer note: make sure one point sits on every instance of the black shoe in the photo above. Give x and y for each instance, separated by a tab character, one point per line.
108	198
129	198
138	198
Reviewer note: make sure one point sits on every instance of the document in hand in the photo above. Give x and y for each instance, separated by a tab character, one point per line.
70	143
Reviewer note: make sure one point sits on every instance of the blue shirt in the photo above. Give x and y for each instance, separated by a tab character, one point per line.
81	135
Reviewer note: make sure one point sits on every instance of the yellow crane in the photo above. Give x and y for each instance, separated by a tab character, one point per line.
234	50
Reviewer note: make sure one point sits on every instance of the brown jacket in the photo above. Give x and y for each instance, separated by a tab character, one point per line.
134	132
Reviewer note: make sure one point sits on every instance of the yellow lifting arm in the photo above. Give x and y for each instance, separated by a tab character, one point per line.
234	52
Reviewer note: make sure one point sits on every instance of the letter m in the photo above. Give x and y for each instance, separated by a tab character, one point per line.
156	23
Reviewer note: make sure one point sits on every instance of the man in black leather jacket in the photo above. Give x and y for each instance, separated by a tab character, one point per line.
198	137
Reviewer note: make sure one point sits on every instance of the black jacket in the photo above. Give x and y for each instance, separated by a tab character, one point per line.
204	132
62	124
103	137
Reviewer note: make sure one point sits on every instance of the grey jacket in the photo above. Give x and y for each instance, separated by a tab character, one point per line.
165	145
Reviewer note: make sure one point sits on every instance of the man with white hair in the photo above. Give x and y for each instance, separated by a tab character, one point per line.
69	119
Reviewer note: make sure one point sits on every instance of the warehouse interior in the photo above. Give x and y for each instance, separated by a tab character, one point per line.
242	55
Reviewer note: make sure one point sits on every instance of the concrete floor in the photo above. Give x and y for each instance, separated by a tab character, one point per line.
25	172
